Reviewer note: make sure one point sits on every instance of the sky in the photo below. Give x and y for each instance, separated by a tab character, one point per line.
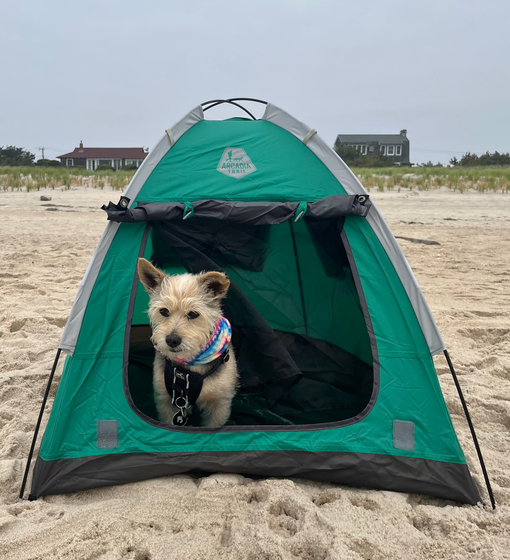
119	72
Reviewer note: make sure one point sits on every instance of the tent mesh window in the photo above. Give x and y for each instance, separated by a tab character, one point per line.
299	333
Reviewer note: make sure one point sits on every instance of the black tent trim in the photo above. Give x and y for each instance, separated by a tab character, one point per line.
254	213
444	480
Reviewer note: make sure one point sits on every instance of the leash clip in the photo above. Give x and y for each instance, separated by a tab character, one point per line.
180	401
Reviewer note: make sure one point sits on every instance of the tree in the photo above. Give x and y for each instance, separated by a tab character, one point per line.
471	160
494	159
468	160
454	161
13	156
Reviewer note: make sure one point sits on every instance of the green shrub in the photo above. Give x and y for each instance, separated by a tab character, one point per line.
353	157
104	167
48	163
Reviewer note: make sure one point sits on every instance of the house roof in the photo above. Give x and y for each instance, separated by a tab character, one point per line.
380	138
121	153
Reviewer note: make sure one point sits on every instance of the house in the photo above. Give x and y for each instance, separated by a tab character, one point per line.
393	146
91	158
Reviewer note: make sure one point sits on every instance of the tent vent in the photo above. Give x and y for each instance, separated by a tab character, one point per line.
306	139
403	435
170	137
107	434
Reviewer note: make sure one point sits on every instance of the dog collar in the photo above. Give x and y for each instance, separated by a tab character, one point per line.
213	349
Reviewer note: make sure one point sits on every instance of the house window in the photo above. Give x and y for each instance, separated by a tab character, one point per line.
383	150
106	162
69	162
391	150
398	150
370	149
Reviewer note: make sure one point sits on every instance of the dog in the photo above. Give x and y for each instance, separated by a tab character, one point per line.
188	332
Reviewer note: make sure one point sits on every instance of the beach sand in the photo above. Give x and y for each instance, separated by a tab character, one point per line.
466	280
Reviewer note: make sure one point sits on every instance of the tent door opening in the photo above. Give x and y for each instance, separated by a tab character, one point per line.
299	332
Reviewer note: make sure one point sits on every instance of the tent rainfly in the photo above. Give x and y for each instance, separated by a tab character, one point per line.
333	337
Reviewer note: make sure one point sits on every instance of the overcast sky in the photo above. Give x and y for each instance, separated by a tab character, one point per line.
118	72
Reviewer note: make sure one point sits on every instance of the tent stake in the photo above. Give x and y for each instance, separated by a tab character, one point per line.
472	428
34	439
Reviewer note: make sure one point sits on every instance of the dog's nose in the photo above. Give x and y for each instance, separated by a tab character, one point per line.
173	340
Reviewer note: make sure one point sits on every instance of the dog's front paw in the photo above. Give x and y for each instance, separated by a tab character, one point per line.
216	415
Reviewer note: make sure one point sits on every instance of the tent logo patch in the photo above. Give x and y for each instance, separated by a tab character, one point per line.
235	163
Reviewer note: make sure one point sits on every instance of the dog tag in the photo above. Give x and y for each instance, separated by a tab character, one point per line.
180	418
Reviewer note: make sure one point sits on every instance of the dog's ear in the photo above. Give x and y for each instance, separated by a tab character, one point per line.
216	283
150	276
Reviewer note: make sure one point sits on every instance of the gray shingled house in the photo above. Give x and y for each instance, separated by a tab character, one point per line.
393	146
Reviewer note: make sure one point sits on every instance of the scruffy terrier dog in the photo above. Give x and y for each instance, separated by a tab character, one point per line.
191	337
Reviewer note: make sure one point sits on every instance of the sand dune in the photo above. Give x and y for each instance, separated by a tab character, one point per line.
466	280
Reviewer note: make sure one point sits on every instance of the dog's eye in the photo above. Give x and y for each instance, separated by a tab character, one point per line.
193	315
164	311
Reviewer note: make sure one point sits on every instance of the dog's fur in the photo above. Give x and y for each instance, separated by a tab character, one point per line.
180	295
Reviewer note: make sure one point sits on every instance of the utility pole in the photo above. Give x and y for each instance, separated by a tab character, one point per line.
42	150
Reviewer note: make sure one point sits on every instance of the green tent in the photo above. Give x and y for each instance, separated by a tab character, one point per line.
332	334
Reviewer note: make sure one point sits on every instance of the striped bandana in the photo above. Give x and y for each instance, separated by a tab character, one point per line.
215	346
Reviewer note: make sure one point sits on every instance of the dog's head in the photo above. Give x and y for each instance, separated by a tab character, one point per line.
183	309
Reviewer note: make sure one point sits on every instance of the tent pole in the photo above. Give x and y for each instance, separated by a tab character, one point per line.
36	432
472	428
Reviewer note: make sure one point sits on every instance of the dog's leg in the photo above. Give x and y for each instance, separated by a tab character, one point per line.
216	413
163	401
166	410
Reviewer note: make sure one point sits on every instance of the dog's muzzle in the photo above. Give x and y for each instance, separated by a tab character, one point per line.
173	340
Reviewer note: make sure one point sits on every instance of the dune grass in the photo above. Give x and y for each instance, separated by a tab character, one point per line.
35	178
482	179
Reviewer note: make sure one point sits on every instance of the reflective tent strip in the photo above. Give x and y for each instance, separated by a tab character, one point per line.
73	325
351	185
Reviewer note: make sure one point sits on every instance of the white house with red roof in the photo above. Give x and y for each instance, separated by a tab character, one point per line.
91	158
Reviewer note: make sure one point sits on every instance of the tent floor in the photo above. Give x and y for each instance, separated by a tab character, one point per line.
314	398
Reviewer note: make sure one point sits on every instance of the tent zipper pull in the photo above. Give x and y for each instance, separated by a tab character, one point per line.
301	211
188	210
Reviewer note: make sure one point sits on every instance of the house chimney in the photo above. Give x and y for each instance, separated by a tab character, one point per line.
403	133
81	143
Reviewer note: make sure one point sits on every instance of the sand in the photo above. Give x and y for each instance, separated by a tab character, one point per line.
466	280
